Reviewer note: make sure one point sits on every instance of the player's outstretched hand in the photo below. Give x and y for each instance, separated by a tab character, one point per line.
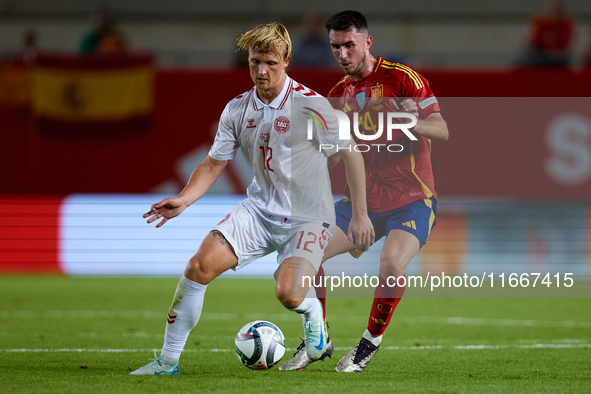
362	229
166	209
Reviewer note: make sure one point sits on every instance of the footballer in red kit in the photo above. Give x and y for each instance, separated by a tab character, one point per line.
393	180
400	189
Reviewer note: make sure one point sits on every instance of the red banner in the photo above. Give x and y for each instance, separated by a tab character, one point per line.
30	234
508	146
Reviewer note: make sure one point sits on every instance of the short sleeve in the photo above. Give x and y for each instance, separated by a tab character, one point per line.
327	132
417	88
225	144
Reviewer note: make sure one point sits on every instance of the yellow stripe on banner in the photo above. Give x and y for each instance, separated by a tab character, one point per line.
93	95
426	190
429	203
414	76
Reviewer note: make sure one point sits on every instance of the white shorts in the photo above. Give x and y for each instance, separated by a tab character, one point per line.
253	235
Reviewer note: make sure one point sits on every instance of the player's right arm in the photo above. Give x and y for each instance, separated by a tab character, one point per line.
202	178
205	174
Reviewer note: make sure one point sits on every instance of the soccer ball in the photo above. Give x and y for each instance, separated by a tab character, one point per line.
260	345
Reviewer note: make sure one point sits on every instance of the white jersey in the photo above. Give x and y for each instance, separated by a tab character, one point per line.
290	172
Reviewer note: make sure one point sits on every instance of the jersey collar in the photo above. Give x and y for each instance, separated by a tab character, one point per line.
277	101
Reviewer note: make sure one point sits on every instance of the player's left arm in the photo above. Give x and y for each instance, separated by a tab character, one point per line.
360	225
432	127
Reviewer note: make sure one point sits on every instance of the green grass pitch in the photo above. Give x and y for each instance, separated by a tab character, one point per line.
84	335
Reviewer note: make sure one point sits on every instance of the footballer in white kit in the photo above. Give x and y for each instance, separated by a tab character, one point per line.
289	206
289	173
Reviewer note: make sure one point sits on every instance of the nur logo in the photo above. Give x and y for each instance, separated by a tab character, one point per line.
345	127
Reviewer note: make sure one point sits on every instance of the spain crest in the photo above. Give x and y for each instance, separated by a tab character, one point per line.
377	93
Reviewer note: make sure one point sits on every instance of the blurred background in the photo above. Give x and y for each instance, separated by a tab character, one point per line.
105	106
185	33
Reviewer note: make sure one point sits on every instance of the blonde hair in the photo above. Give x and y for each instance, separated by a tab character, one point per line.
268	38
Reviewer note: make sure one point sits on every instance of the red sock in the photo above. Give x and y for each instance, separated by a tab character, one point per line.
321	290
385	301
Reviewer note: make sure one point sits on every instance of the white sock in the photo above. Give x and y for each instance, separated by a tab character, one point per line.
309	307
182	317
374	340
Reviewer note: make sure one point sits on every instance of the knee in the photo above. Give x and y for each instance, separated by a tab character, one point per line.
285	296
392	266
197	271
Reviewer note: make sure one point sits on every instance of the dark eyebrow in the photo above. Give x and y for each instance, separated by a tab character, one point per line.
344	43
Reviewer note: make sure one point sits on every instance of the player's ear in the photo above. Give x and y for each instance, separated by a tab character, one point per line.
287	62
368	42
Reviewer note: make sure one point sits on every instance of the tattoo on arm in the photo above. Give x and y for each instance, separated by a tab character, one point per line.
220	236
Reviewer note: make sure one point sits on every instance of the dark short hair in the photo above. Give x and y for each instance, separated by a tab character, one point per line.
345	19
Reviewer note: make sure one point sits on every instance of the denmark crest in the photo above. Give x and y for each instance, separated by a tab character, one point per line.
281	124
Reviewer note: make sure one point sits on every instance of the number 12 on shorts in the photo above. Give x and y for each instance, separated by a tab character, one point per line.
310	240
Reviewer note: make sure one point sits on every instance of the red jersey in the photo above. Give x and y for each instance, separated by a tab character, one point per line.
393	179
